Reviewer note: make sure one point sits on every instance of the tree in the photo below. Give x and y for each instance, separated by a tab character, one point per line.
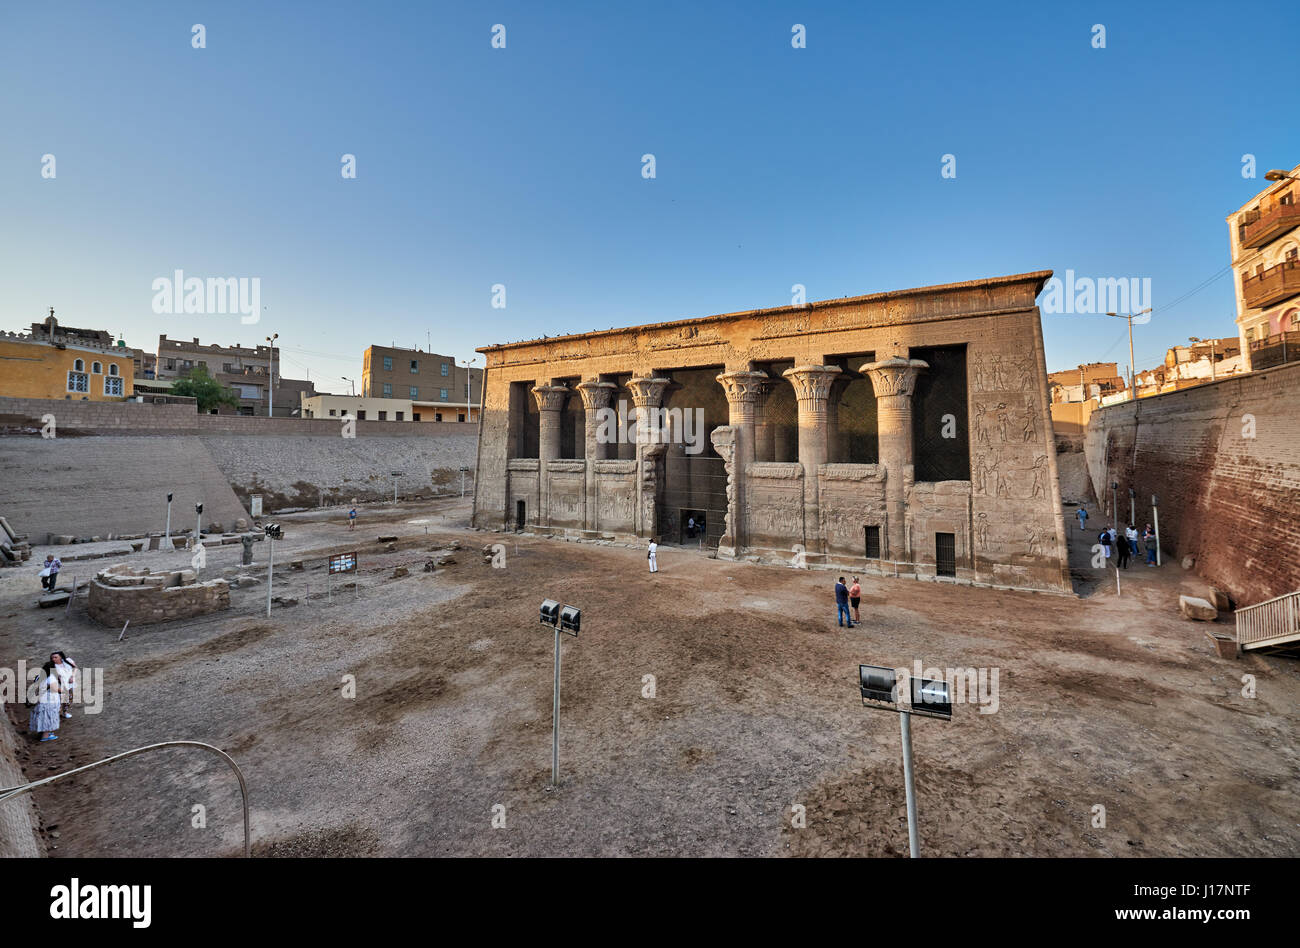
209	393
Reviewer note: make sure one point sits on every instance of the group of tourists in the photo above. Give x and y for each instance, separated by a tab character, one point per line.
847	600
53	696
1126	546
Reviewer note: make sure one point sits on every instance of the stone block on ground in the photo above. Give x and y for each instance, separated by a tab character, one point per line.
1189	561
1220	599
1193	607
400	572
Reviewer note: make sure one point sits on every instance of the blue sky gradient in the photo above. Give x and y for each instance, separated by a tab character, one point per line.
522	166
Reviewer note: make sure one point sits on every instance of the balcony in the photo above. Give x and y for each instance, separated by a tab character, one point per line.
1275	350
1272	285
1271	225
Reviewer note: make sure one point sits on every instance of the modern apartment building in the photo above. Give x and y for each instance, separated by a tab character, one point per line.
1264	234
246	372
438	388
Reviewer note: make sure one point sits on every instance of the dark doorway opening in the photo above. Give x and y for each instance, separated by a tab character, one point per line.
693	526
939	429
872	542
945	554
520	512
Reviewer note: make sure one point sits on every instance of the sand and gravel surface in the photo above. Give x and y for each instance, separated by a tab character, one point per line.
1102	701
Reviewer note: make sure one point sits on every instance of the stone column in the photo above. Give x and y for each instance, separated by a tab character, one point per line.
894	380
595	397
812	388
743	390
764	447
550	409
647	396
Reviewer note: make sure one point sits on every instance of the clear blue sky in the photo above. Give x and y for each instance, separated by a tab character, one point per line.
522	166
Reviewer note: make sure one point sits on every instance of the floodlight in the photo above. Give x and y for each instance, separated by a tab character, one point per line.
198	508
930	698
550	612
169	498
273	531
878	683
570	619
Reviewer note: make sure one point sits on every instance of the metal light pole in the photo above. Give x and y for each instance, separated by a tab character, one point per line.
469	400
913	840
167	534
270	559
1114	501
198	525
1132	392
555	717
351	383
270	400
1155	517
1132	508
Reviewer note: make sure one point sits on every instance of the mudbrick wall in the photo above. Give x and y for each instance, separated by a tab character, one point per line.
110	466
19	825
1224	460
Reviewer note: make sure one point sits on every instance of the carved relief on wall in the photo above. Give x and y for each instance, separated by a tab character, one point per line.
998	373
1004	472
812	383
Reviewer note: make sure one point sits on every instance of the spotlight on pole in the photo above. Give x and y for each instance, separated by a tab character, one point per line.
561	619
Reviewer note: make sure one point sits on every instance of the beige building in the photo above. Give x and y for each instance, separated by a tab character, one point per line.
246	372
904	432
1264	234
438	388
357	407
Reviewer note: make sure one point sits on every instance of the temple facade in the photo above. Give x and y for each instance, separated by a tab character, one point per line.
899	433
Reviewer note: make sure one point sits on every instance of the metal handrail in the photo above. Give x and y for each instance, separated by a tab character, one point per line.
1279	616
9	792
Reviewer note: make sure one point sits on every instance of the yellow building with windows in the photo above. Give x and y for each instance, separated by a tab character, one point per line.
64	364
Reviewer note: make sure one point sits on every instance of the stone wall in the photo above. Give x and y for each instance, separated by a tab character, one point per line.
1224	460
19	824
120	592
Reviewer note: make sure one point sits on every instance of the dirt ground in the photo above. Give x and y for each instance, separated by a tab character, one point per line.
1104	701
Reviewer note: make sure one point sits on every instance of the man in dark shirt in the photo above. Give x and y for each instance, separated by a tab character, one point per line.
842	616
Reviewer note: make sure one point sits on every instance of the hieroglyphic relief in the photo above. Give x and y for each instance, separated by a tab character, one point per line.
1001	374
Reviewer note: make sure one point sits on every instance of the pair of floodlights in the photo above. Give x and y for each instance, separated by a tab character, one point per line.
563	618
879	688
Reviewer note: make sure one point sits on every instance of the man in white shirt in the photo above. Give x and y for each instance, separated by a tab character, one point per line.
651	556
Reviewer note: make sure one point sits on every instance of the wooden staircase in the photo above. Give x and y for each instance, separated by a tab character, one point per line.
1270	626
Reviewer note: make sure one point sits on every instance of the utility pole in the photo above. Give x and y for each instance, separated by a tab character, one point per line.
270	401
1131	390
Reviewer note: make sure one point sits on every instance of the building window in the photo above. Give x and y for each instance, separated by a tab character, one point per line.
415	367
361	414
388	390
96	368
400	416
388	363
444	370
113	385
415	391
78	381
442	394
873	543
112	368
415	416
383	416
79	366
228	367
331	412
437	416
460	416
171	364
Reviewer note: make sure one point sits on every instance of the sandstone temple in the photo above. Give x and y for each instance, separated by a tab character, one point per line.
902	433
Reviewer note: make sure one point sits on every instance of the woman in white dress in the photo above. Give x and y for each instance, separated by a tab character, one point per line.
45	714
66	670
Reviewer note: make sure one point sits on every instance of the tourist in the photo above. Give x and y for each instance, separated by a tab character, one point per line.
1121	544
652	554
50	572
1149	538
690	528
1104	539
352	519
1083	518
44	719
842	616
66	670
855	597
1131	535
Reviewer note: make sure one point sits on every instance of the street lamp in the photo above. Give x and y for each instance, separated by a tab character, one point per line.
468	393
270	401
1277	175
350	382
561	619
1131	393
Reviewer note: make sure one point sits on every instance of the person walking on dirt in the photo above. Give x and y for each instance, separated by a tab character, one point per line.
1149	539
66	671
1121	543
44	719
652	554
1104	539
842	616
50	572
352	519
855	597
1083	518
